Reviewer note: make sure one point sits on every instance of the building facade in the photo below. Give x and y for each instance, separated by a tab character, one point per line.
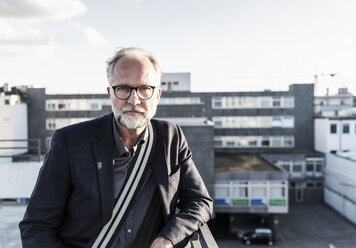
13	122
341	104
276	126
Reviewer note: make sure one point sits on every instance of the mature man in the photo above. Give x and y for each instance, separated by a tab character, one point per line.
121	180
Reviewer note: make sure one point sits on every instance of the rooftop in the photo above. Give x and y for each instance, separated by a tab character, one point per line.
230	162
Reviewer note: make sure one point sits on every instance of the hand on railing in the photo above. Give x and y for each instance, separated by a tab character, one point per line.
161	242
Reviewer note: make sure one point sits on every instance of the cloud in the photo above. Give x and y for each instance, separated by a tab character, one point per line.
25	40
93	37
41	9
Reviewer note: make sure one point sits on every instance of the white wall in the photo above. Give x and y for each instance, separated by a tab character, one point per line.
340	185
18	179
325	141
13	124
320	139
183	79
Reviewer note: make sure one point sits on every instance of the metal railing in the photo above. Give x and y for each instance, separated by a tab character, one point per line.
32	145
203	238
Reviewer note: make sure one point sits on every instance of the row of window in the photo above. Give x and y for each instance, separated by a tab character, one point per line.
302	168
253	121
232	102
247	193
55	123
76	104
345	128
254	141
179	100
307	184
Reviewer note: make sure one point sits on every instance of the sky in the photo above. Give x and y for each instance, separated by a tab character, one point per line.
226	45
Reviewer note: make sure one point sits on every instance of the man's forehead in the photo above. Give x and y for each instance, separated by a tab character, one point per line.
139	66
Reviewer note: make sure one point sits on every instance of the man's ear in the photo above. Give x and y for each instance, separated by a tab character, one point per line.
108	90
159	93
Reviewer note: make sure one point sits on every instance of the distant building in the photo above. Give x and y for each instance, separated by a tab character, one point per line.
13	122
275	128
341	104
340	185
336	135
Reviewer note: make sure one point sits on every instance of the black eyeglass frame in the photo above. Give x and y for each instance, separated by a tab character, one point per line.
133	88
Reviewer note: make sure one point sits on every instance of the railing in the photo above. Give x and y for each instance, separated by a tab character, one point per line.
203	238
35	145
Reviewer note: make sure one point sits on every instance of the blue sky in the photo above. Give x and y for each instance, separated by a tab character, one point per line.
227	45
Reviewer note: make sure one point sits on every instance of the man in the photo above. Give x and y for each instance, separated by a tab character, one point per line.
121	180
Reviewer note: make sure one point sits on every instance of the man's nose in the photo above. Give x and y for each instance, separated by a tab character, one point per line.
134	99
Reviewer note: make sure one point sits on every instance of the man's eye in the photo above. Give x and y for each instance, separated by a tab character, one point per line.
123	89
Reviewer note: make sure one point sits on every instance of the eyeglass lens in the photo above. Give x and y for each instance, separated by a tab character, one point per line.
144	92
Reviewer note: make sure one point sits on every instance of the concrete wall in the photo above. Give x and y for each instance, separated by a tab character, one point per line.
321	129
13	124
340	185
339	141
200	140
17	180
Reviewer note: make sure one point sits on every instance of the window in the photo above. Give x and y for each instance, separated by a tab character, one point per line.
297	168
221	192
163	83
252	141
7	102
319	184
285	167
288	121
218	123
218	143
276	121
61	106
276	102
276	141
309	167
258	192
217	102
51	124
288	102
239	192
309	184
175	83
94	106
265	102
277	192
265	141
333	128
288	141
346	128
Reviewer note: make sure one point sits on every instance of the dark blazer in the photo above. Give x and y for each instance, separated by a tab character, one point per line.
74	197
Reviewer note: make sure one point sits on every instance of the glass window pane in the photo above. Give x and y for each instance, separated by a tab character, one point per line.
333	128
258	192
277	192
221	192
239	192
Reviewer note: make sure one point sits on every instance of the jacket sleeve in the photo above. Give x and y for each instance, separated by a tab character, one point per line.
194	203
43	216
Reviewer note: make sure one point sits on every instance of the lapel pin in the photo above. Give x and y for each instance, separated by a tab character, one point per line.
99	165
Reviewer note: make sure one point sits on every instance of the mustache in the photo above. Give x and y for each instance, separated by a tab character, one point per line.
133	108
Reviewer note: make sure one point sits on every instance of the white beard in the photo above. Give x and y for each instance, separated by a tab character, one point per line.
134	122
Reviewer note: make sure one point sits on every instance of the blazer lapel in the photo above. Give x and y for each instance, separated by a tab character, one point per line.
103	154
159	164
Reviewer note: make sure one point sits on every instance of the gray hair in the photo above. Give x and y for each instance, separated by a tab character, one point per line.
132	52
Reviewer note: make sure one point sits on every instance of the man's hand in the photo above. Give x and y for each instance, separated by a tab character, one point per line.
161	242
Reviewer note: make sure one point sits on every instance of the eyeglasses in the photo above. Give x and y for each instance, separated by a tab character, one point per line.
123	92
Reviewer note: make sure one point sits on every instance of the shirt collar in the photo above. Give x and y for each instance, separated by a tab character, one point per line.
120	148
